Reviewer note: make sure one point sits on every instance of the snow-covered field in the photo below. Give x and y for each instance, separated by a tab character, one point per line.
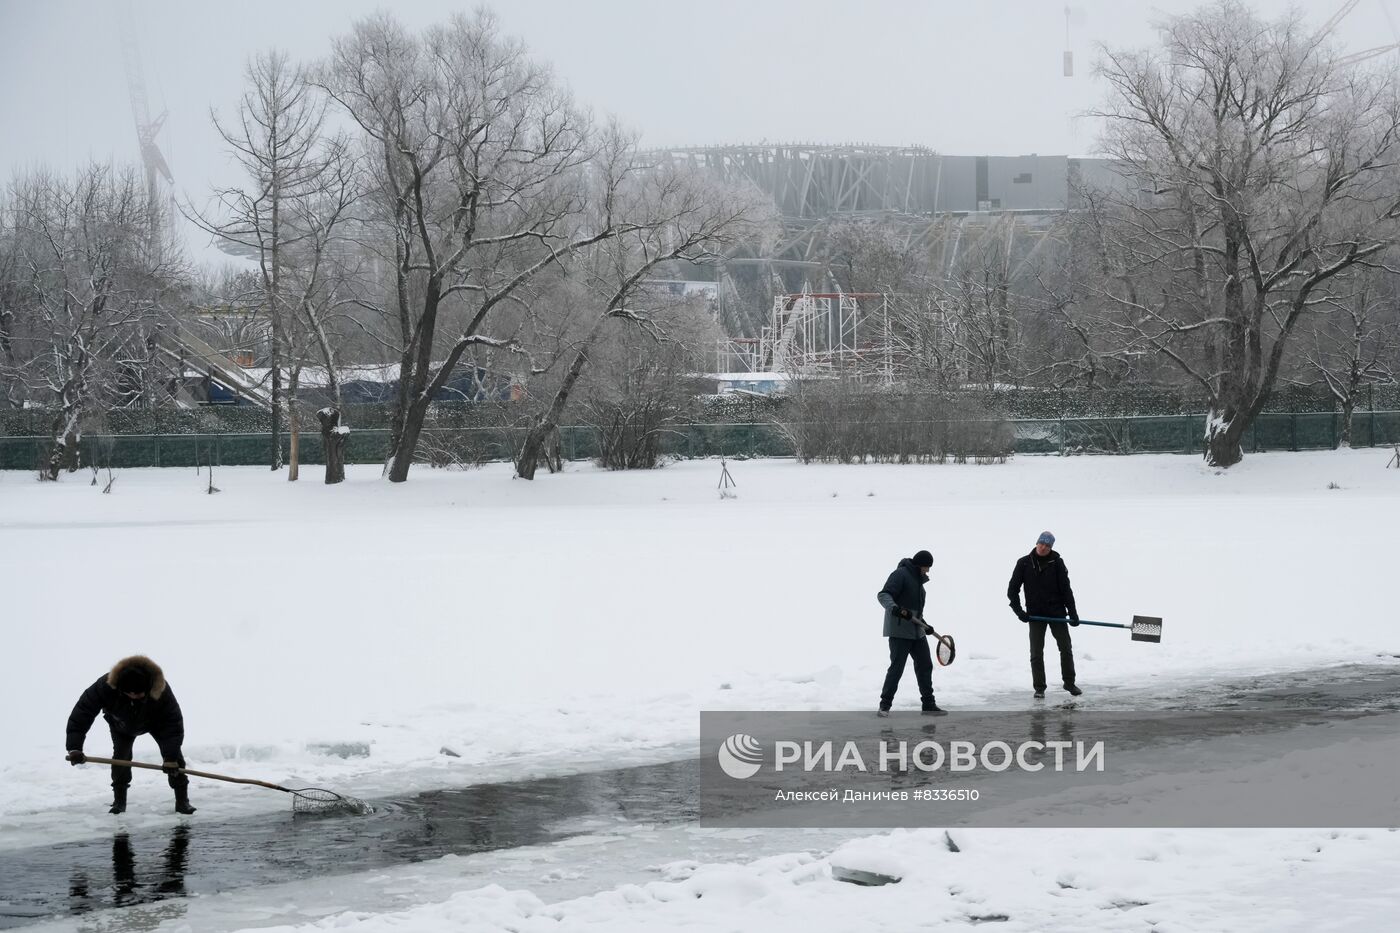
583	620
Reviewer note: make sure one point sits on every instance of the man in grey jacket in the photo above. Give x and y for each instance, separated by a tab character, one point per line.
903	599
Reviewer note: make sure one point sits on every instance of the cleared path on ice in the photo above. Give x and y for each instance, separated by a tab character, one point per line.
149	873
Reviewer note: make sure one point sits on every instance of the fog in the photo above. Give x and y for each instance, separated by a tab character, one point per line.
960	78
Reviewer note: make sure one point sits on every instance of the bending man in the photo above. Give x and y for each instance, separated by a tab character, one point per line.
134	699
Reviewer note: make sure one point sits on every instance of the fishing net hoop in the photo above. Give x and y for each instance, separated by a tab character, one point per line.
320	800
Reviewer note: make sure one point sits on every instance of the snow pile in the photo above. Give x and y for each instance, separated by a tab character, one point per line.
1111	880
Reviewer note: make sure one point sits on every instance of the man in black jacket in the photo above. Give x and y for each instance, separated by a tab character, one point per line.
903	600
1048	594
134	699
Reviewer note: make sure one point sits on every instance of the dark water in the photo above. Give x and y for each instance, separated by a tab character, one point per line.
198	857
202	857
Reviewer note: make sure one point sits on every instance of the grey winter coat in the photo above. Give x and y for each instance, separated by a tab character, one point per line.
903	590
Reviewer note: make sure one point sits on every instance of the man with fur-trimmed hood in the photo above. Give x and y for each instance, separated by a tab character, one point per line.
135	700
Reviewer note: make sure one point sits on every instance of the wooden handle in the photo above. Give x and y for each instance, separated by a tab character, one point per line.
204	774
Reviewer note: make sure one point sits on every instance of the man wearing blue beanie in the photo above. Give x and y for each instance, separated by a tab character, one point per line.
1049	595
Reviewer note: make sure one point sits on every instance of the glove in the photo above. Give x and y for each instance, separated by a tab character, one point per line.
1073	618
1021	613
76	757
903	613
170	767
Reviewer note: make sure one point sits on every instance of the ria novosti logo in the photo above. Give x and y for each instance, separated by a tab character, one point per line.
741	756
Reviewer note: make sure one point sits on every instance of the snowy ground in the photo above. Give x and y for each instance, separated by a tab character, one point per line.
344	636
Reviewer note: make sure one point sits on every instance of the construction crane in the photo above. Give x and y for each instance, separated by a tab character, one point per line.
1326	28
1367	53
1069	50
157	169
1364	54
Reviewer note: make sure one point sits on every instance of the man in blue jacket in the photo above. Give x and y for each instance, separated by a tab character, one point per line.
134	699
1045	578
903	599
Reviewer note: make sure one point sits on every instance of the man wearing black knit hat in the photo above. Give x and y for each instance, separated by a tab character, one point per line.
134	699
903	600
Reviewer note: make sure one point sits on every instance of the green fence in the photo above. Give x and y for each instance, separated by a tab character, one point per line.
1164	434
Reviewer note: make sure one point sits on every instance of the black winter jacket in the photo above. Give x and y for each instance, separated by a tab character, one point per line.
903	590
1046	580
158	712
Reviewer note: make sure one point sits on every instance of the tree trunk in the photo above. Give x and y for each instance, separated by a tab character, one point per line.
333	437
415	395
401	457
294	458
1224	432
529	456
67	439
542	441
548	423
276	409
1347	408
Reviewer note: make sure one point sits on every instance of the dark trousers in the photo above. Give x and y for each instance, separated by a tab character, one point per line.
901	649
121	777
1061	632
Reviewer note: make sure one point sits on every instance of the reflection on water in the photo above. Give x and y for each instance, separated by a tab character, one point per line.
131	881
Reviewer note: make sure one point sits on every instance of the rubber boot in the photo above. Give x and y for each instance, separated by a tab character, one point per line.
182	802
118	800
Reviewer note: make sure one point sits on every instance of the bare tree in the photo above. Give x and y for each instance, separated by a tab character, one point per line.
1355	346
299	188
675	214
639	388
85	276
1258	170
223	309
479	160
10	288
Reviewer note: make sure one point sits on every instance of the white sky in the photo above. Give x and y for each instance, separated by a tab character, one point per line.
967	77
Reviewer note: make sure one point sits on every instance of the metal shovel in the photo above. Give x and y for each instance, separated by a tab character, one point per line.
1144	628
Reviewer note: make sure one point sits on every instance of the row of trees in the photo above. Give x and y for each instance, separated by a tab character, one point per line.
440	197
1248	239
436	201
494	219
84	275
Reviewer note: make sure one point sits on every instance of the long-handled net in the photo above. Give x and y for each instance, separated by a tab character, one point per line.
304	799
944	650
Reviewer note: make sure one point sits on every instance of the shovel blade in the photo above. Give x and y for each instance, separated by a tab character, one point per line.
1147	628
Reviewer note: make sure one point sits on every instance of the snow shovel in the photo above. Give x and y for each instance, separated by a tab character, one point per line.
304	799
1144	628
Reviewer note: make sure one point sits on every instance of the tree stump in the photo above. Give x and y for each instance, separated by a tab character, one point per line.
333	437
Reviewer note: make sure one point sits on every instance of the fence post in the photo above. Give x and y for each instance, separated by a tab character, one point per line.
1127	441
1062	437
156	438
1293	431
